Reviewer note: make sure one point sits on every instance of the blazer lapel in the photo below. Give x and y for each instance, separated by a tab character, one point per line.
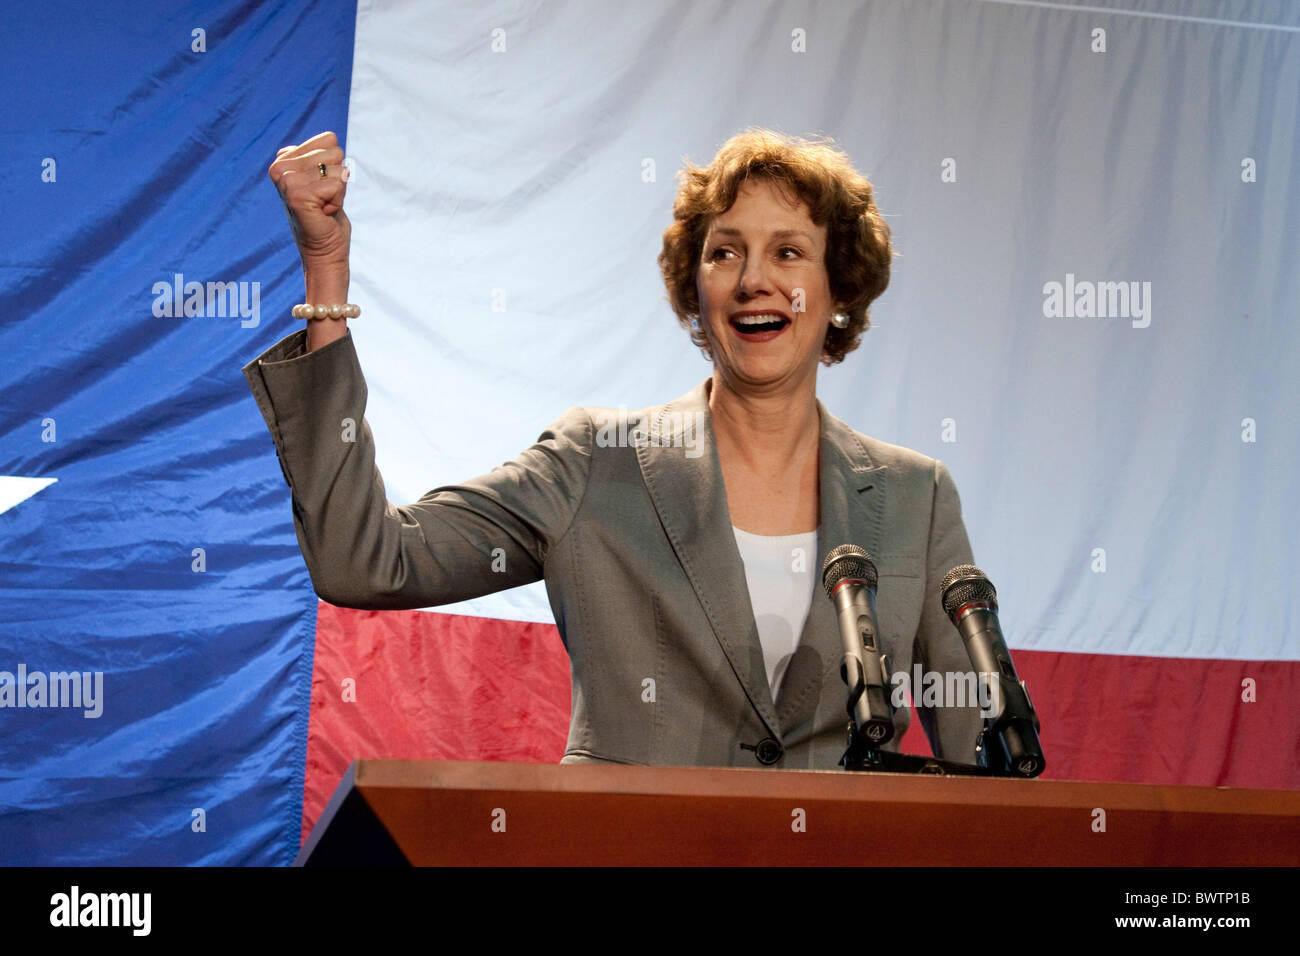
682	473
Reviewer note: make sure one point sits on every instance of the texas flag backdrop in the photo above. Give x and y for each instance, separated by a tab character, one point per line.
1093	322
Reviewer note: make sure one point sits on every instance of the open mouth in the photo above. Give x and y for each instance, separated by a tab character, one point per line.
759	327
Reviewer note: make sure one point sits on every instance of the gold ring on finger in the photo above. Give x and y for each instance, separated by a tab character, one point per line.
321	167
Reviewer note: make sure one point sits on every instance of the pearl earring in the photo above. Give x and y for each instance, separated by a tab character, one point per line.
840	320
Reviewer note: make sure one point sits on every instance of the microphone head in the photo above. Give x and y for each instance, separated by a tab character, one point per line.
848	561
963	585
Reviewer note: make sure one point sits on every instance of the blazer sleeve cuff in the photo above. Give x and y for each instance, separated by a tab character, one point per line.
290	386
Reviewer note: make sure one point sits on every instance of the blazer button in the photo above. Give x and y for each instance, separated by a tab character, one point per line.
768	751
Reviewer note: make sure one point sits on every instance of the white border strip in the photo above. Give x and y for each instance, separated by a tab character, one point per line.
1079	8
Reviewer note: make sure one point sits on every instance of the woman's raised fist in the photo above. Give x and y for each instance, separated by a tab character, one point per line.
314	202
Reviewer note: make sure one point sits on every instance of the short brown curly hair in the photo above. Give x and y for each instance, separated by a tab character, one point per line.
858	251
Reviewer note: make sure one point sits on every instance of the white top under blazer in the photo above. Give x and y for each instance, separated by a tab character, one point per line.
780	573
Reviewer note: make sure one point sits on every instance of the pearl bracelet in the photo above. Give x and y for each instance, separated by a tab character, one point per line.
307	311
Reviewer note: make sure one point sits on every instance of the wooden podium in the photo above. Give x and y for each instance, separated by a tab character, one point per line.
395	813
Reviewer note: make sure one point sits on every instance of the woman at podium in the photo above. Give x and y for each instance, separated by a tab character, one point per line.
681	544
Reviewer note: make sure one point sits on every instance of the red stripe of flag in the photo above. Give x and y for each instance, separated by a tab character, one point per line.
450	687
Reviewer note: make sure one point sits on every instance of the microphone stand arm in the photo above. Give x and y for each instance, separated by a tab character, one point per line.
864	756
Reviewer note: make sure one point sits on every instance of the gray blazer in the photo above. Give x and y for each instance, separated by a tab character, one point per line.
635	543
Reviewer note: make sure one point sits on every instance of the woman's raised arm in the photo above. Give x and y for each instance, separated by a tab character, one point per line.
457	542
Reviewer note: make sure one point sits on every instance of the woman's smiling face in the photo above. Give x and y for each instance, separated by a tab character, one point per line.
764	257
